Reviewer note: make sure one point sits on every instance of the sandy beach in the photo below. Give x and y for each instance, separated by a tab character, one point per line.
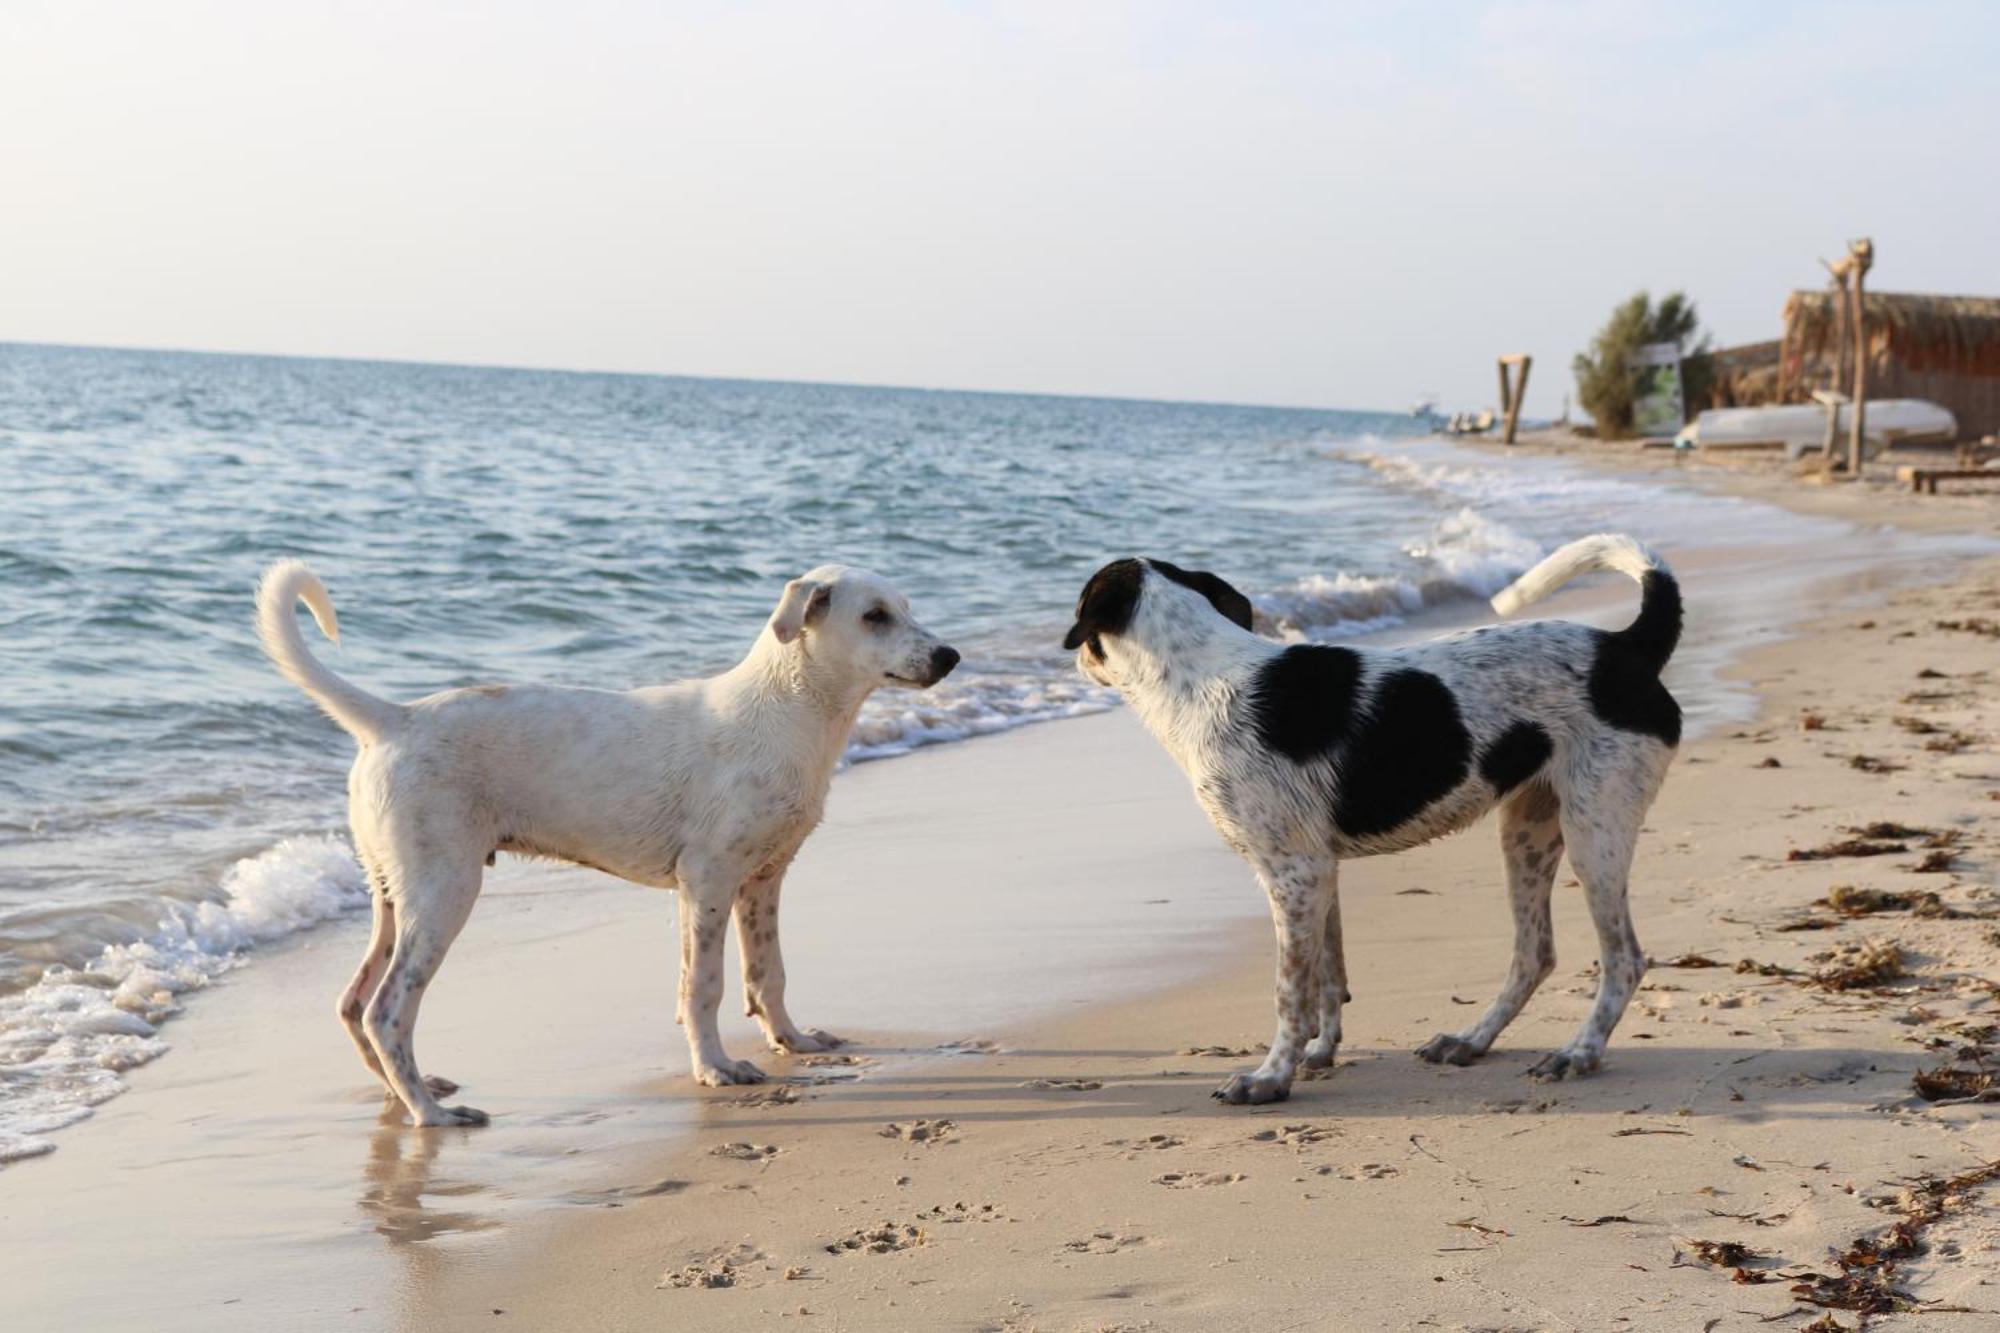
955	1169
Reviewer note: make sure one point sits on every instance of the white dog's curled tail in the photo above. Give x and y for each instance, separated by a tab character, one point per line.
1657	630
279	592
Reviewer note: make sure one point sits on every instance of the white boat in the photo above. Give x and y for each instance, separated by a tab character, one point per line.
1799	428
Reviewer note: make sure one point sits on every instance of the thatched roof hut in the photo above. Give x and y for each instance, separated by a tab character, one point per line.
1943	348
1743	376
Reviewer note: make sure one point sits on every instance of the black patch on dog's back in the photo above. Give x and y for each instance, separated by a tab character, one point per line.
1302	700
1626	693
1107	604
1232	604
1516	756
1409	749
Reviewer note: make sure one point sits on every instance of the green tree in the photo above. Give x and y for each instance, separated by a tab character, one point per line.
1605	379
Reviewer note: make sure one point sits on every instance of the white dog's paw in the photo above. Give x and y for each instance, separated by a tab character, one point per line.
806	1043
439	1085
728	1075
444	1116
1570	1060
1448	1049
1254	1089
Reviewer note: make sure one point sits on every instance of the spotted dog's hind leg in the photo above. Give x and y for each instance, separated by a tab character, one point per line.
431	907
764	964
1532	842
704	908
1298	887
1333	991
1602	835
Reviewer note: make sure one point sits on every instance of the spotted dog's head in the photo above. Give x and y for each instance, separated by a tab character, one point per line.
855	624
1128	596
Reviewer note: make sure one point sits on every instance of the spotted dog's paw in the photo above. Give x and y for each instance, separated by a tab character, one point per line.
728	1075
444	1116
809	1042
1448	1049
1565	1062
1320	1052
1254	1089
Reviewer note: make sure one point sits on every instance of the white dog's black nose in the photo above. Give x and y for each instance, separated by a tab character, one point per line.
942	661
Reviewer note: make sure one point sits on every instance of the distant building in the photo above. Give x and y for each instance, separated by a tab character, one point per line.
1945	349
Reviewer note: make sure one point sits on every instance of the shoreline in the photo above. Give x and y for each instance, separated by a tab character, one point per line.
431	1196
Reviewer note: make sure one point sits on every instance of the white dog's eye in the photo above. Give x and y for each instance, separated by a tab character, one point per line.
876	615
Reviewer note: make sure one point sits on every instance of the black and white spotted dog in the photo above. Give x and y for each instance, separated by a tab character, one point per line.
1307	755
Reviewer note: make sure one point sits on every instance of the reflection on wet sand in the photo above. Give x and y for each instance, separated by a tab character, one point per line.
398	1176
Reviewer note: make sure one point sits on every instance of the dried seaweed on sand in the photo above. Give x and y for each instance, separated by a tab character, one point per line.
1860	966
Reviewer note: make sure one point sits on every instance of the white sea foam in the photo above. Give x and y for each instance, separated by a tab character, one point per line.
65	1041
977	704
1466	557
1552	495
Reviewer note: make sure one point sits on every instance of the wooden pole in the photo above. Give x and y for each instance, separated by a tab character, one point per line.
1505	401
1839	377
1862	252
1520	392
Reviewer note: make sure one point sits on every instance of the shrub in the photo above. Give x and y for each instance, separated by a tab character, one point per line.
1605	380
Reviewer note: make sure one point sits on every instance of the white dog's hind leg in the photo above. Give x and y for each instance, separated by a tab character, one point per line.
764	965
1332	981
354	1000
704	923
1298	888
1531	841
1601	842
432	908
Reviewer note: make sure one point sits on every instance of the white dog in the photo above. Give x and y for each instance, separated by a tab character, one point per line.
1307	755
708	786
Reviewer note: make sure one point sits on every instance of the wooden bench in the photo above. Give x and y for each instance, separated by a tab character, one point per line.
1924	480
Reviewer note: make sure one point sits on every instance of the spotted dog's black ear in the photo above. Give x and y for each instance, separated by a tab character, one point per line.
1107	603
1232	604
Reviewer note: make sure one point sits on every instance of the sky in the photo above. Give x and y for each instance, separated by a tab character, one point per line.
1311	204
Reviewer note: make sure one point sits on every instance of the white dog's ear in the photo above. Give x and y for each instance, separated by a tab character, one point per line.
803	603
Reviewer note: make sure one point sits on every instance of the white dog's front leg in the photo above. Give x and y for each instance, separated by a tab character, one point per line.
704	921
1298	888
764	964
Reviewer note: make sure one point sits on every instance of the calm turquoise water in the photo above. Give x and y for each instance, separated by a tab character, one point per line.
480	525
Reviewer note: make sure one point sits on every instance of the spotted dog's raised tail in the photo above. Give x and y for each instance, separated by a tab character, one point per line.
1652	637
282	588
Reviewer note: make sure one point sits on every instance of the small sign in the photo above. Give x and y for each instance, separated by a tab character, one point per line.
1657	404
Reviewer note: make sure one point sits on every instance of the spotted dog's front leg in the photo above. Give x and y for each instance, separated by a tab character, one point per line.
764	964
704	922
1298	889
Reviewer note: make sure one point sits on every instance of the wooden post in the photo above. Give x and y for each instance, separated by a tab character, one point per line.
1838	293
1862	252
1512	391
